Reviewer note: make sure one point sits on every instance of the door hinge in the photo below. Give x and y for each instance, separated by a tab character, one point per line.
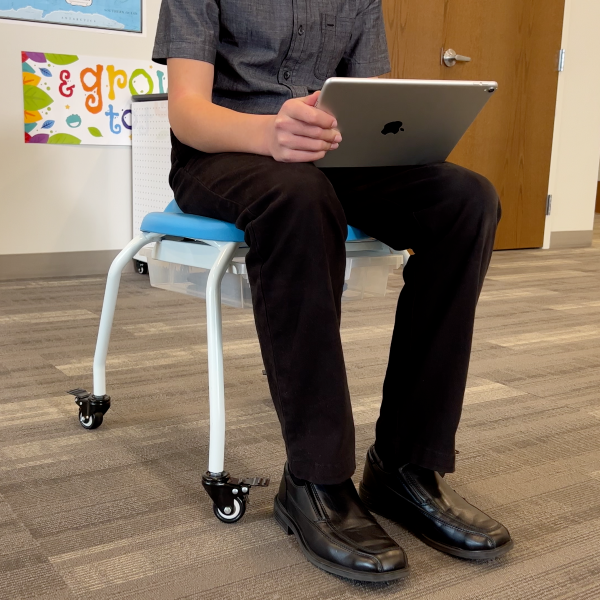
561	60
548	205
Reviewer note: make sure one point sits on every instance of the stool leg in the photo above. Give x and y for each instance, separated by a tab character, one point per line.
216	386
108	307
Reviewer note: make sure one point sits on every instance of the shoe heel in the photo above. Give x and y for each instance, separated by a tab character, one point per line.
366	497
280	518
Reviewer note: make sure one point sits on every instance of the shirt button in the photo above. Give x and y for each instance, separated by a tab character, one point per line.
287	75
301	30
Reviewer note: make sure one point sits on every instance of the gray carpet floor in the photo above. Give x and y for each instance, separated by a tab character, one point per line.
119	512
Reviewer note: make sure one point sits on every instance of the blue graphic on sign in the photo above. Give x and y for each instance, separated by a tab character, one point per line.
123	15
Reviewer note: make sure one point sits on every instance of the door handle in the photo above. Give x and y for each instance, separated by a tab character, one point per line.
450	58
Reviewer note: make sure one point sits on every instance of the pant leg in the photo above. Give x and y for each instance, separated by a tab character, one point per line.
296	229
448	216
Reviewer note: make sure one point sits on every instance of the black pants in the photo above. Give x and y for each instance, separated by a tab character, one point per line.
294	217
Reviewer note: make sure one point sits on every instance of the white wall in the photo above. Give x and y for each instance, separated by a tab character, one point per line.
576	146
63	198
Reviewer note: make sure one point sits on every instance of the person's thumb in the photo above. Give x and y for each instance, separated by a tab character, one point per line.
312	99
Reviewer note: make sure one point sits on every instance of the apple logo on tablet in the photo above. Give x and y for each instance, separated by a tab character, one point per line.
393	127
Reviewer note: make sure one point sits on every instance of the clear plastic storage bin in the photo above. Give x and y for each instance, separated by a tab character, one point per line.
365	277
235	288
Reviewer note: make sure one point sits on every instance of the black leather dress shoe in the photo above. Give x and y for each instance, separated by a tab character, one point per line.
422	502
336	532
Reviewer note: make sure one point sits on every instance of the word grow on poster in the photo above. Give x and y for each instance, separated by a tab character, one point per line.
83	99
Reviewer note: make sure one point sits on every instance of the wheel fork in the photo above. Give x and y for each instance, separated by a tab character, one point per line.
224	489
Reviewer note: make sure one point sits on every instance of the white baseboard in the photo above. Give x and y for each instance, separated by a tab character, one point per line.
571	239
57	264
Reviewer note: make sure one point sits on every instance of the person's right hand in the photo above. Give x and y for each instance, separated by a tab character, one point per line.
301	132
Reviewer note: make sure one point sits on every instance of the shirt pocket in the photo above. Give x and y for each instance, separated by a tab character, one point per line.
335	35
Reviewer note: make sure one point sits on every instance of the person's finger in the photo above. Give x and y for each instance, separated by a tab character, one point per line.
313	100
296	142
310	115
300	156
311	131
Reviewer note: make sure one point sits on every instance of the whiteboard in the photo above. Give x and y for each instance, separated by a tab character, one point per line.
151	160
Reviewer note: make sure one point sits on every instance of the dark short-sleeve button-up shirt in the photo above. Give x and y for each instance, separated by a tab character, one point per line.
268	51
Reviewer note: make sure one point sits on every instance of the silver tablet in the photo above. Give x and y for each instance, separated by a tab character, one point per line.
388	122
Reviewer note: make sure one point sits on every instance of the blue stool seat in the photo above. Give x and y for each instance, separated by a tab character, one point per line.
175	223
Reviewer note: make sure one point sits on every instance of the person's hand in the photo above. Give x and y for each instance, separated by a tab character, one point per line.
301	132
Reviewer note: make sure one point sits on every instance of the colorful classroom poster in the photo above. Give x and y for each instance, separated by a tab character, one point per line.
122	15
84	99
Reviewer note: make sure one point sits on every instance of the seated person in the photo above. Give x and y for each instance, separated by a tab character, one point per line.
243	82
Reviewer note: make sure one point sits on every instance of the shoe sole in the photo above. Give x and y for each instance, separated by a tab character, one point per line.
374	507
287	524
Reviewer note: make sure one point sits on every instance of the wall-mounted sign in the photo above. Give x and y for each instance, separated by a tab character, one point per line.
72	99
122	15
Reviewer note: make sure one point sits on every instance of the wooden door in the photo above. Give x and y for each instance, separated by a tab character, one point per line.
516	43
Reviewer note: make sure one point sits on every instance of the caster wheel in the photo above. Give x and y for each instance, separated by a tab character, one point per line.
141	267
237	512
91	422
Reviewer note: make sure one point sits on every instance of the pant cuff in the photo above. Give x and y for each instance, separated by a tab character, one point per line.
323	474
418	455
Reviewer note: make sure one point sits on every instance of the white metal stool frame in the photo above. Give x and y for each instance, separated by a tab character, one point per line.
227	493
220	255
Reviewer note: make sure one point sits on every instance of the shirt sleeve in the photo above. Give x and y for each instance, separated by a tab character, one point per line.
367	52
187	29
